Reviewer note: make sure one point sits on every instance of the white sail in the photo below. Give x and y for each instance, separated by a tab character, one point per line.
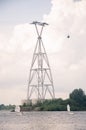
68	108
17	109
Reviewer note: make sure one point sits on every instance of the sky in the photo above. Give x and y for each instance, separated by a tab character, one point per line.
67	56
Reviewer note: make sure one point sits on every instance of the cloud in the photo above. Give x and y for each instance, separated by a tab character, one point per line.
77	0
14	62
67	56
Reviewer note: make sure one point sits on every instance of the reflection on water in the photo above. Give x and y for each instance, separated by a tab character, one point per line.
42	121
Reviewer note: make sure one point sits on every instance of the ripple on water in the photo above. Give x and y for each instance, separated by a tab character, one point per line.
42	121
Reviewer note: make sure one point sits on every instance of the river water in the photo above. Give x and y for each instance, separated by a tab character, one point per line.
42	121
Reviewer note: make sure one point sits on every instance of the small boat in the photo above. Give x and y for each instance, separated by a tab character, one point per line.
17	109
68	109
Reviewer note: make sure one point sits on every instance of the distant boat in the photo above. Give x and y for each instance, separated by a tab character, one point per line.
17	109
68	109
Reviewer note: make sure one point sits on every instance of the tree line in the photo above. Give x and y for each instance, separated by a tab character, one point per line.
76	100
7	107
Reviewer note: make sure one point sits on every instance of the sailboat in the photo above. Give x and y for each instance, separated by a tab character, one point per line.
17	109
68	109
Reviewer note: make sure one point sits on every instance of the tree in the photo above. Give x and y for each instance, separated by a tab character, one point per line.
78	96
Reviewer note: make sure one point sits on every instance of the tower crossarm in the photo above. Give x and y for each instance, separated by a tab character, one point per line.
39	69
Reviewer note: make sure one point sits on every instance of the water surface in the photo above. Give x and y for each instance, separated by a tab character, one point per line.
42	121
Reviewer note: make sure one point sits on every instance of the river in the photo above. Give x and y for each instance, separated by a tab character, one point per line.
42	121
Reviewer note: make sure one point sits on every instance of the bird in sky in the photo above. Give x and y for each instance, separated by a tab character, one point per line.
68	36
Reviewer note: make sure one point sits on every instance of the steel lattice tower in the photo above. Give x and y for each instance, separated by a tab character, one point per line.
40	77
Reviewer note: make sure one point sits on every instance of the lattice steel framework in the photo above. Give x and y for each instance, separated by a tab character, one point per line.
40	77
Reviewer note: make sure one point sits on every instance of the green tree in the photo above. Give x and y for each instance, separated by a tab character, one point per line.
78	96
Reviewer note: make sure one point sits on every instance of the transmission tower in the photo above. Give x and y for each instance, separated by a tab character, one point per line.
40	77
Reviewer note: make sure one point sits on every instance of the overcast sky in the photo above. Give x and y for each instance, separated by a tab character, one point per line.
67	57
